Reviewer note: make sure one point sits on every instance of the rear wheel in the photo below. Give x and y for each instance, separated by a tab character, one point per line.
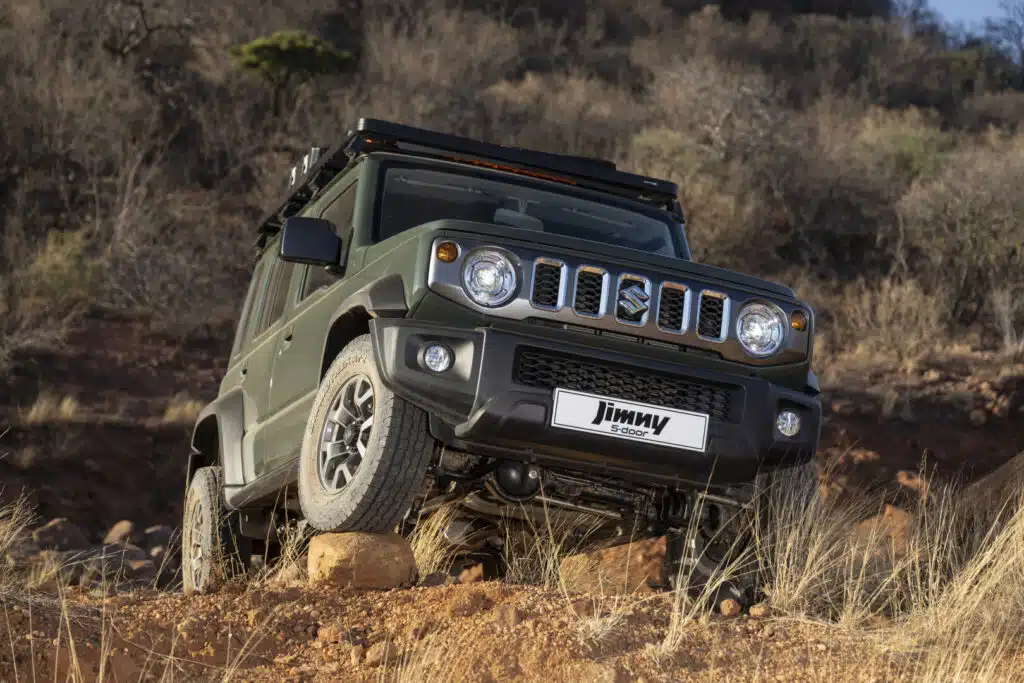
365	451
213	550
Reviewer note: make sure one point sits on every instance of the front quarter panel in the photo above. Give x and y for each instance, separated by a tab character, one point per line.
226	415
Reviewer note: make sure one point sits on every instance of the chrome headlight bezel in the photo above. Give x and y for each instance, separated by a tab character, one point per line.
503	269
776	318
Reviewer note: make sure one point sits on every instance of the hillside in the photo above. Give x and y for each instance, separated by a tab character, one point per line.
861	152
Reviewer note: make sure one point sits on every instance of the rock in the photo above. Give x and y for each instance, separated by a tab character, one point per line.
761	610
382	653
474	574
729	608
121	533
627	568
287	573
361	560
329	633
60	534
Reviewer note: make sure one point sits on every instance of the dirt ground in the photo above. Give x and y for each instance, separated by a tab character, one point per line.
117	450
477	632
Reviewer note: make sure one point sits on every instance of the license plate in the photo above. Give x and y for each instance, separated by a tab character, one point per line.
595	414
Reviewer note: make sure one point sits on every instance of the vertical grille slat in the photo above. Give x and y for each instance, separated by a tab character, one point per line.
672	308
589	292
547	284
711	317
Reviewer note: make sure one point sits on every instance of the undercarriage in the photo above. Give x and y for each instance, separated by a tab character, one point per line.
492	503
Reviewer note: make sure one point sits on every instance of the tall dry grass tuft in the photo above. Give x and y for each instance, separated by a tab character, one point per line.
536	545
945	591
433	551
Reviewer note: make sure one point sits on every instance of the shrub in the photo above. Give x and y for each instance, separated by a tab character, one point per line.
962	229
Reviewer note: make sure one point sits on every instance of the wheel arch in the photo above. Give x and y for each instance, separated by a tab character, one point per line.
383	298
217	438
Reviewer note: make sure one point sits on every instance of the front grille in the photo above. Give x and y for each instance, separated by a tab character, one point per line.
712	311
547	370
547	284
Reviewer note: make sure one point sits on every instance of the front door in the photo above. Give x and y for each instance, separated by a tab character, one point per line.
297	366
259	367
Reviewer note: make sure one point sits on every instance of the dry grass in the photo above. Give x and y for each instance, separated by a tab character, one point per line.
182	409
946	599
432	550
49	407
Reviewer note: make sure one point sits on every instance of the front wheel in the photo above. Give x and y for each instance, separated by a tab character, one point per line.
365	452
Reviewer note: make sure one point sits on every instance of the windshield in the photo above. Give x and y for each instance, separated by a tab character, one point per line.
414	196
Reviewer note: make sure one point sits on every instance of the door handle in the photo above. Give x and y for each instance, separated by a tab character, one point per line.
286	342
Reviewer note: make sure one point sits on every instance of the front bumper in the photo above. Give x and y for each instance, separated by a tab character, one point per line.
497	399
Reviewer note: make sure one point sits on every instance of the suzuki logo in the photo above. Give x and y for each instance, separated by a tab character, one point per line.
633	300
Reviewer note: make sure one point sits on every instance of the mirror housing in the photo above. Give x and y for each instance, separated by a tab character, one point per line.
312	241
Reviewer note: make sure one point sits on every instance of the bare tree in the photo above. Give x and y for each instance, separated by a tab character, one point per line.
132	25
1007	31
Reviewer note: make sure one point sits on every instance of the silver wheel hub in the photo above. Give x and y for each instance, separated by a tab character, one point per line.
196	545
346	434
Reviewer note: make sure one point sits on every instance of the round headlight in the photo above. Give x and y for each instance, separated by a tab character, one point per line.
489	278
761	329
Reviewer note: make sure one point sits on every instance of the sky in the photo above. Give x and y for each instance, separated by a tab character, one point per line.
967	11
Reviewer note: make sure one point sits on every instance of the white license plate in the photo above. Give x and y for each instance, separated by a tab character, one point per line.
628	420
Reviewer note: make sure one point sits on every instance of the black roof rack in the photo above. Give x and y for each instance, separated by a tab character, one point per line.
322	164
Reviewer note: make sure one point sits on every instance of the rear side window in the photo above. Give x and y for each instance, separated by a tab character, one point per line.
255	287
277	294
340	212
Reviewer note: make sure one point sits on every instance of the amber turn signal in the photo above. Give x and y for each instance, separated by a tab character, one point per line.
799	321
447	252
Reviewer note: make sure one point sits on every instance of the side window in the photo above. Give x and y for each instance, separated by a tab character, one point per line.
340	212
255	287
277	294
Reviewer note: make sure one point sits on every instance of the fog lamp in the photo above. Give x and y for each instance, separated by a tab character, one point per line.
788	423
437	357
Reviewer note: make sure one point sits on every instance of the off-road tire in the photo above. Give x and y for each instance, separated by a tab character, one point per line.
393	467
212	549
683	551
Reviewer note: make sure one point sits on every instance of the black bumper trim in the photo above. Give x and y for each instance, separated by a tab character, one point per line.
477	406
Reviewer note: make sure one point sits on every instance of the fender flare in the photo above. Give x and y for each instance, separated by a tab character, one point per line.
226	416
383	298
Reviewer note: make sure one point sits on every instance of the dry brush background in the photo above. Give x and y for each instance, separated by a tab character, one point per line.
866	154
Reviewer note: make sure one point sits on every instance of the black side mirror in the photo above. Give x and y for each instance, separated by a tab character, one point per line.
313	241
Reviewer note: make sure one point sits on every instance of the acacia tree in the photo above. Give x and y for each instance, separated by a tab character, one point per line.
287	59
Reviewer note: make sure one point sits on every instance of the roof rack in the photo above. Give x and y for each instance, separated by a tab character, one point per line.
321	165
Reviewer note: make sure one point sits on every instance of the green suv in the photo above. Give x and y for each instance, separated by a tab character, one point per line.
436	321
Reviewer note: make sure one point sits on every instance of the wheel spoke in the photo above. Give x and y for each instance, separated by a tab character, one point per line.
366	425
345	437
362	399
